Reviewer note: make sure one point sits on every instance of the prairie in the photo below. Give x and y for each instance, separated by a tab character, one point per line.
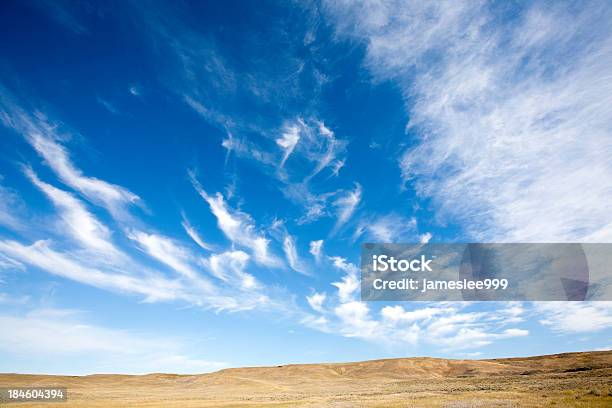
562	380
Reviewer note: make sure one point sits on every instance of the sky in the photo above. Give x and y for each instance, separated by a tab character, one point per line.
184	186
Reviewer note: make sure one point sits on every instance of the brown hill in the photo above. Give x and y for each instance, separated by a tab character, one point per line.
571	379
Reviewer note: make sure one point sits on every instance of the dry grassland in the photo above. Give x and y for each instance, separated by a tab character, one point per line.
564	380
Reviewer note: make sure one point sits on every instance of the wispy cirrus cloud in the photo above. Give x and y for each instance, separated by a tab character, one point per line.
237	226
9	205
232	289
316	249
82	249
220	282
245	148
230	267
100	264
316	301
511	116
296	148
314	149
425	238
446	325
325	149
346	206
44	136
155	287
171	254
288	141
83	226
509	120
292	256
313	144
387	228
194	235
200	71
115	198
109	106
9	263
314	205
575	317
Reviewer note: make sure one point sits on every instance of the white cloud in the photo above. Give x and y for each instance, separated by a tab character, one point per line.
72	266
133	278
135	90
172	254
387	228
110	107
397	314
82	225
9	205
347	288
575	317
323	148
446	325
346	206
288	141
468	338
44	137
309	139
244	148
230	267
424	238
314	205
119	272
240	291
512	116
238	226
9	263
337	166
316	249
313	148
316	301
211	115
356	320
512	124
111	196
319	323
291	254
193	234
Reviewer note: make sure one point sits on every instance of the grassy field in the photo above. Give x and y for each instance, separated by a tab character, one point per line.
564	380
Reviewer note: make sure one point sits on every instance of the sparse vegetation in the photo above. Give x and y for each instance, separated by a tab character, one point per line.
558	380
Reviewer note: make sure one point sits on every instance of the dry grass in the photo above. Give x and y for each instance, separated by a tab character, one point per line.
565	380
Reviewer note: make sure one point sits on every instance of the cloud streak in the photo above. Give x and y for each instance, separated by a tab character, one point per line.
44	137
83	226
288	141
237	226
291	254
194	235
448	326
346	206
316	249
511	117
41	255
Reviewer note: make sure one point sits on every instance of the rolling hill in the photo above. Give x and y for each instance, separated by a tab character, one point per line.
571	379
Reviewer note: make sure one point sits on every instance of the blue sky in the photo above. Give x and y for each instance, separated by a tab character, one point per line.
184	187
